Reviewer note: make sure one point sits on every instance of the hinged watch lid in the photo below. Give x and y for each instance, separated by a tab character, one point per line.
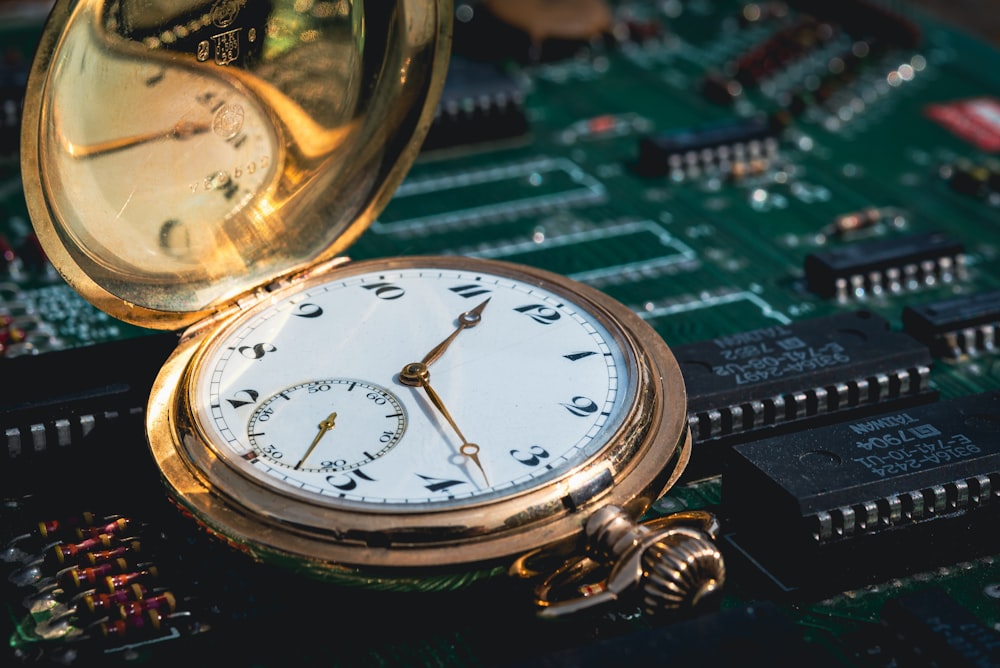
178	153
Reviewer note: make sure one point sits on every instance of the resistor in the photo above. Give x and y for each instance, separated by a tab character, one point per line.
81	526
126	550
858	221
119	580
742	169
99	603
786	45
164	602
47	535
77	578
62	553
146	623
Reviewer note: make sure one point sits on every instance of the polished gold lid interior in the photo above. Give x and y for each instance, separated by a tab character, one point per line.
178	153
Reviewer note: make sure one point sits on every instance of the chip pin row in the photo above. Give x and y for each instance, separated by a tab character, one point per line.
910	277
818	400
912	506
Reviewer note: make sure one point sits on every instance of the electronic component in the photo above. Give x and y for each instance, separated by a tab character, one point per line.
791	42
865	491
868	27
791	375
894	264
929	628
866	19
480	104
864	221
531	31
975	178
965	325
716	146
60	397
840	71
90	586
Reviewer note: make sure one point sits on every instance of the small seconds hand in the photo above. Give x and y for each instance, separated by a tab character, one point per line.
324	426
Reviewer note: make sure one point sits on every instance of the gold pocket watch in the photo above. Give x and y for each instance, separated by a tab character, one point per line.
404	422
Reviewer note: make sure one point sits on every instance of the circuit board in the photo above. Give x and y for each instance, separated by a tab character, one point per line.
802	198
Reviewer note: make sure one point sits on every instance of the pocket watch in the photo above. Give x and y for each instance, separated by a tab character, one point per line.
407	422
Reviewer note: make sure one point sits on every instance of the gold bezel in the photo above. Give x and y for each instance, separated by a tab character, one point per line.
630	470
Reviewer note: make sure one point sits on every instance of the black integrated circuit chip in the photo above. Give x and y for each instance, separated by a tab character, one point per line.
874	21
965	325
795	374
896	264
718	144
480	104
49	409
876	496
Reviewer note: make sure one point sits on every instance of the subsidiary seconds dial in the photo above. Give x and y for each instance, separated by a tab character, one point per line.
323	426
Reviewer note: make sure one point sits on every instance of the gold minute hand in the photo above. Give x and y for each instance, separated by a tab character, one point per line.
470	318
181	130
417	374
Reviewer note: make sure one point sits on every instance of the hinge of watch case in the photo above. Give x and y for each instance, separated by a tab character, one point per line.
255	296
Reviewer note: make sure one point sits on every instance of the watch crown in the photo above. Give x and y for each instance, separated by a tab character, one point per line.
671	564
681	572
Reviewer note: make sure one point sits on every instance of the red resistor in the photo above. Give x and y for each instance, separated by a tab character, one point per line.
145	623
67	551
100	556
113	582
67	529
97	603
164	602
80	578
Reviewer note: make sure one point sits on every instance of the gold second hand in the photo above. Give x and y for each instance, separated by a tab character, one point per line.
324	426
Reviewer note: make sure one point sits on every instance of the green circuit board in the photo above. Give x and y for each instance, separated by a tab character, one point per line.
702	162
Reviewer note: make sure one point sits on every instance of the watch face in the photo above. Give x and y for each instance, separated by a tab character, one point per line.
413	388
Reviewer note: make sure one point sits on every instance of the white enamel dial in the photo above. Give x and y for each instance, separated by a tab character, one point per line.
504	385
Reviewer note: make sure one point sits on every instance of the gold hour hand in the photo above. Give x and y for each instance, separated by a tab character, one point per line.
416	374
470	318
324	426
182	130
